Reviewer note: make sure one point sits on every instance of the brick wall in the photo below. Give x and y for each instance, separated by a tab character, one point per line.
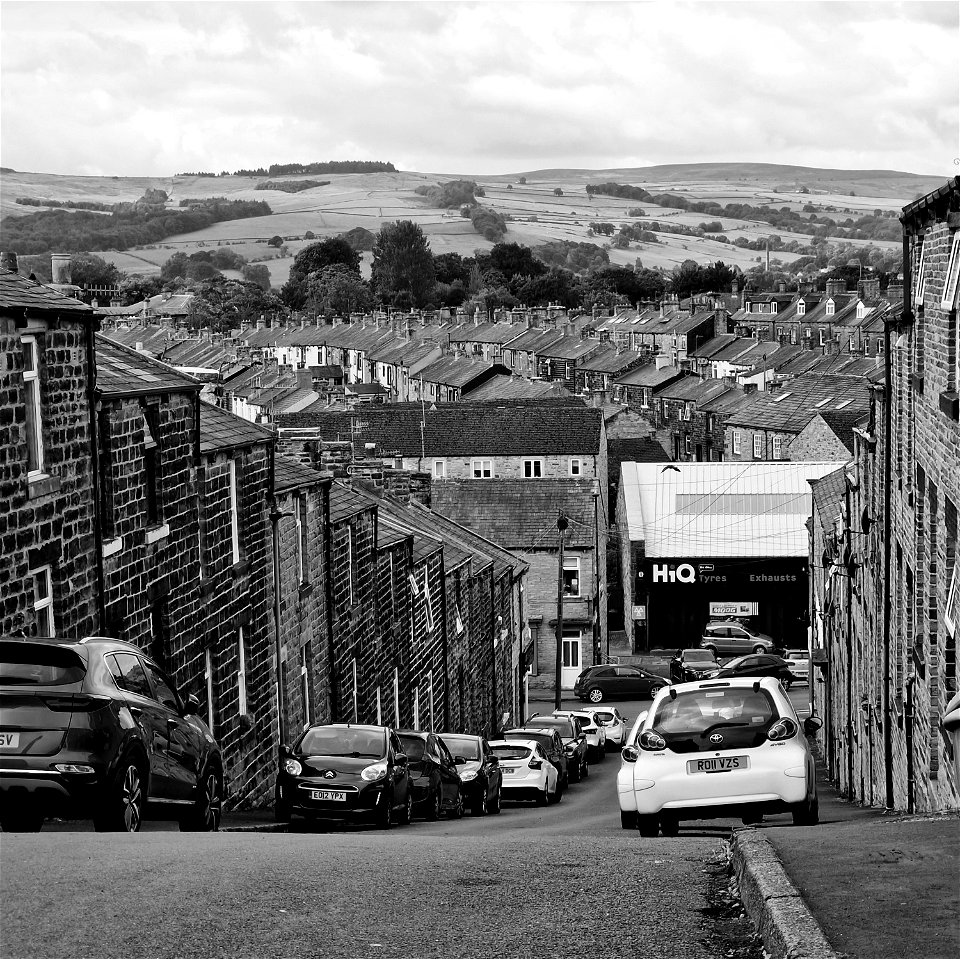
816	443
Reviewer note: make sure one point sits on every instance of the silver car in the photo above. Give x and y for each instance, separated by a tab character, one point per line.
732	638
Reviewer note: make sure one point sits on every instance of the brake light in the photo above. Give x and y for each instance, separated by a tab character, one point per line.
782	729
536	764
652	742
75	704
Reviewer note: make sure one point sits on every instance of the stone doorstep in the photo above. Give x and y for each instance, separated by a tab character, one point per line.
785	923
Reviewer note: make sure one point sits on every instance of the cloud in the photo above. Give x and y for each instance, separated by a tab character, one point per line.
153	88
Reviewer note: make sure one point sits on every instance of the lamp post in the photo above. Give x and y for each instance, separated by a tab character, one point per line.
276	514
561	527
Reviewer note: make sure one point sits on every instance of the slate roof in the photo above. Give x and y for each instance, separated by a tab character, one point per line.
486	332
693	389
610	361
503	387
710	348
568	348
461	429
290	473
125	372
648	375
346	503
828	494
19	294
457	371
520	514
842	422
220	430
534	340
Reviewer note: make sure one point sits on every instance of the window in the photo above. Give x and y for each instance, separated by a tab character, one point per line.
793	336
686	443
831	308
351	566
152	464
820	332
356	692
777	447
42	580
533	468
481	468
736	442
31	399
416	708
303	560
919	281
128	673
757	446
576	466
570	653
801	308
948	301
241	672
645	398
439	469
430	695
208	679
163	691
396	696
571	575
807	333
306	683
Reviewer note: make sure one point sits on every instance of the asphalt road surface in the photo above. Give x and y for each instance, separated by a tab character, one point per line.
537	883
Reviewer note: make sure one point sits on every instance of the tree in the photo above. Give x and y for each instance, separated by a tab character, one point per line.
259	274
175	267
451	268
557	191
315	257
87	269
336	289
136	288
512	259
275	240
221	304
403	264
555	286
522	180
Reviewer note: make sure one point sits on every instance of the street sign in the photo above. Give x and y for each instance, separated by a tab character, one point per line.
639	612
734	609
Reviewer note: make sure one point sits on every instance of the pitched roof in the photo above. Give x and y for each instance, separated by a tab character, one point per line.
504	387
708	349
19	293
290	473
346	503
610	361
569	348
125	372
460	429
828	494
220	430
520	514
842	422
693	389
648	375
719	509
457	370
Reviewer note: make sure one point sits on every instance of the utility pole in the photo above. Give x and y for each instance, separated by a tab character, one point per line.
561	527
276	514
597	651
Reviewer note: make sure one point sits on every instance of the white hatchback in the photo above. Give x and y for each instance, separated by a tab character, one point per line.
596	734
798	662
527	773
715	749
614	723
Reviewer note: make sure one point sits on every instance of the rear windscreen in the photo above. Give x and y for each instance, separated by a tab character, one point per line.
511	752
35	664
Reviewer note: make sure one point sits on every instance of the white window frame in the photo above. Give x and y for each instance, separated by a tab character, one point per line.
234	512
298	512
440	469
379	708
416	707
241	672
757	446
431	700
533	467
350	562
777	447
831	308
572	563
919	280
43	604
737	439
801	308
305	685
820	332
31	386
572	640
396	696
477	465
356	696
575	466
208	679
948	299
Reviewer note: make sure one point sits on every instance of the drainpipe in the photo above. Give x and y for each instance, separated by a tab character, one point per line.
848	642
101	598
332	692
495	723
887	543
444	644
276	514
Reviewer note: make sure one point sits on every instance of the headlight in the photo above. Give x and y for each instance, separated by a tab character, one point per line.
569	749
292	767
468	775
374	772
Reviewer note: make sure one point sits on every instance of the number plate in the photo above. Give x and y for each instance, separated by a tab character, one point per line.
9	740
508	772
718	764
328	795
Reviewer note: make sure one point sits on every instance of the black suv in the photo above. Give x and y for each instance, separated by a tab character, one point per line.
94	729
574	741
689	665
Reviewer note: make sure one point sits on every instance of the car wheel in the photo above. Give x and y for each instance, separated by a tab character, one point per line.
648	826
759	649
406	817
206	812
281	812
433	810
806	813
595	695
543	798
495	805
585	769
481	806
122	809
385	813
628	820
669	825
22	822
457	811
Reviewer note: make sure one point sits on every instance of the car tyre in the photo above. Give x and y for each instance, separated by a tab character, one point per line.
628	820
585	769
806	813
406	817
574	776
759	648
22	822
648	826
495	805
281	812
208	808
433	810
670	826
543	798
385	813
595	695
457	811
481	806
123	803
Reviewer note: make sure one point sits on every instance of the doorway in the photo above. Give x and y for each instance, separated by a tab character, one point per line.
570	658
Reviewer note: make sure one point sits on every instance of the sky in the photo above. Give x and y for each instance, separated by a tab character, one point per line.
153	89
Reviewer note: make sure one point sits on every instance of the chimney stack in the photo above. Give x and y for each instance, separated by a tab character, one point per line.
60	268
836	286
8	261
870	289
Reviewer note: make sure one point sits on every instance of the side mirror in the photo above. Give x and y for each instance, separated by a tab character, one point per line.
191	705
811	724
285	751
400	759
494	760
459	760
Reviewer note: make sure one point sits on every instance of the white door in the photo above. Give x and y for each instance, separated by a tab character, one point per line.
570	663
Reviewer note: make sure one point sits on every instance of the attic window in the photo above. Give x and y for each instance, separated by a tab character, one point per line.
831	308
817	406
840	406
801	308
782	396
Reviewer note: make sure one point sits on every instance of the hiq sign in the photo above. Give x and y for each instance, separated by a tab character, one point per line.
665	573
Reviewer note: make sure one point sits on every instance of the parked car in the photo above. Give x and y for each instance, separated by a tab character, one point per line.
527	773
94	729
798	661
614	724
709	750
345	771
599	683
574	742
552	746
729	637
436	784
755	666
593	730
479	771
690	665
